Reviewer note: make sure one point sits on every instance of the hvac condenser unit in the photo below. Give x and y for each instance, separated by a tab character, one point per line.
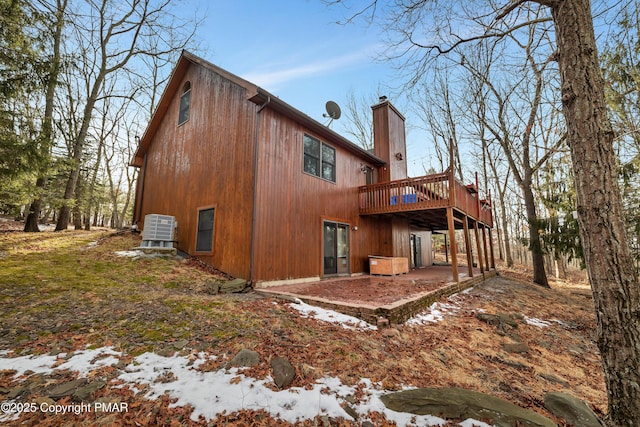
158	232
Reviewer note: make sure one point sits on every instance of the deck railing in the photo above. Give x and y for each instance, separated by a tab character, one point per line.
431	191
425	192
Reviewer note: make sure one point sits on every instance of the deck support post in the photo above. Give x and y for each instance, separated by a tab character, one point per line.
467	245
484	243
480	263
452	239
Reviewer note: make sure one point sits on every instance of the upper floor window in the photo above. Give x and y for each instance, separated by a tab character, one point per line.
185	101
319	159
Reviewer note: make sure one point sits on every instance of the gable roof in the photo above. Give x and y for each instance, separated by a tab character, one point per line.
255	94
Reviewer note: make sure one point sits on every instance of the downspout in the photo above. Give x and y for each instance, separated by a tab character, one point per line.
137	210
255	191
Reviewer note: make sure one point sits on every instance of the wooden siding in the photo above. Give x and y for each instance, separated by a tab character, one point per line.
291	205
207	161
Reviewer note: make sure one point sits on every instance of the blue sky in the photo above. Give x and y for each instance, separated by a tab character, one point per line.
296	50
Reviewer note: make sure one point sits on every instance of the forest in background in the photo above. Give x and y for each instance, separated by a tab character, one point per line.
513	87
80	80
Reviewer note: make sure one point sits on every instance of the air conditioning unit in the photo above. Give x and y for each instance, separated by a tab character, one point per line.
158	232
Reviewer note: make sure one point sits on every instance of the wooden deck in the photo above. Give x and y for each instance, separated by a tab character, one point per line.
425	199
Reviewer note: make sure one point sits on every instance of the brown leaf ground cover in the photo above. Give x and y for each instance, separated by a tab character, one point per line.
63	292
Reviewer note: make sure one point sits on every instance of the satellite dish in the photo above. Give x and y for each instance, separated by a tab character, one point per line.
333	110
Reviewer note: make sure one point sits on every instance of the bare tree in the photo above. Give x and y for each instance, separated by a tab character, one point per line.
518	117
435	106
109	38
359	122
614	280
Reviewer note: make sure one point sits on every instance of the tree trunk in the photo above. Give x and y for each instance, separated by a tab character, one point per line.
31	222
46	135
614	281
505	233
535	244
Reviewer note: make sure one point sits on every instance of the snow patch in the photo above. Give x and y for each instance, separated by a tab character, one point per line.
330	316
215	392
128	254
433	314
536	322
83	362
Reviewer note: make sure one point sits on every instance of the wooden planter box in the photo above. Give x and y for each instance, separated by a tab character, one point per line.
388	266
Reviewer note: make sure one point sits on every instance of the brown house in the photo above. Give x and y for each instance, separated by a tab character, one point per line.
264	192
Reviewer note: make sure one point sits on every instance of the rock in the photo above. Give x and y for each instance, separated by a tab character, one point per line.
84	393
244	359
555	379
233	286
391	333
352	412
66	389
179	345
383	322
502	321
571	409
165	352
15	392
457	403
516	347
44	401
212	287
283	372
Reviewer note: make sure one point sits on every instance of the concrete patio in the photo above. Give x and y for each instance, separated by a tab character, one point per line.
382	299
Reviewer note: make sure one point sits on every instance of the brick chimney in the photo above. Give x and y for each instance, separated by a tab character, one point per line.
389	140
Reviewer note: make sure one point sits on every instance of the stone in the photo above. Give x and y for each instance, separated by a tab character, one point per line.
391	333
66	389
283	372
212	287
165	352
491	319
179	345
555	379
382	322
516	347
244	359
233	286
41	400
571	409
457	403
352	412
503	322
15	392
84	393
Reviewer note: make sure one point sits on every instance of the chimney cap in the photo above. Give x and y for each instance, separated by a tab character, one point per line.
382	98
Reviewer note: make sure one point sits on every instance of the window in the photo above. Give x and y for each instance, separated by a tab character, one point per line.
185	101
319	159
204	238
